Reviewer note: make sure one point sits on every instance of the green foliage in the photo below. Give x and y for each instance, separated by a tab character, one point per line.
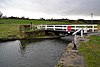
8	30
60	65
91	51
22	21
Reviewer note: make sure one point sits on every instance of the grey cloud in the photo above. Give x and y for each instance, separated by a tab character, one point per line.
59	7
69	7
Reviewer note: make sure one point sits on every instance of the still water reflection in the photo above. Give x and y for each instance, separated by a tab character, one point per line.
31	53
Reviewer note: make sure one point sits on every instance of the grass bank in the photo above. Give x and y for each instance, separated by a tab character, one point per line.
12	32
9	28
91	51
8	31
35	22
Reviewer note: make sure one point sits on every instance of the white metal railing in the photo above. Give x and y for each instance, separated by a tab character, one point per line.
64	27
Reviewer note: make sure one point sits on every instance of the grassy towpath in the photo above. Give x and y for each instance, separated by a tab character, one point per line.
91	51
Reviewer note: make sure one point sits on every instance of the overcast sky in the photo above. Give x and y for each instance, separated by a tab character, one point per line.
72	9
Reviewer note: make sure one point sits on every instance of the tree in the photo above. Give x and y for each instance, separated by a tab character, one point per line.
1	14
41	18
5	17
22	17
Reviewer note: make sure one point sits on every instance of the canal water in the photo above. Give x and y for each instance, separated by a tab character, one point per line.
31	53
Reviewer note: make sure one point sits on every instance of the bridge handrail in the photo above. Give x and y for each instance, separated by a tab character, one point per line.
72	25
63	25
75	27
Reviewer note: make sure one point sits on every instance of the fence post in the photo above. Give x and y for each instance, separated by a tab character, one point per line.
93	28
82	33
45	27
54	27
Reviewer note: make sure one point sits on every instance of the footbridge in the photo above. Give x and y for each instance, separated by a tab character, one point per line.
68	29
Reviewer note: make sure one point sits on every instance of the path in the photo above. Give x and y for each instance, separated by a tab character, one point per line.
71	58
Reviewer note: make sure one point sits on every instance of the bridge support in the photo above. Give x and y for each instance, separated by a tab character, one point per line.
75	37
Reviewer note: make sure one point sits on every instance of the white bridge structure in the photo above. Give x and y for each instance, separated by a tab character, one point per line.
73	29
69	28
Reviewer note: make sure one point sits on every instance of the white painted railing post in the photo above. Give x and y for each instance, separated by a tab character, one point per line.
85	30
81	32
93	28
62	27
45	27
54	27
